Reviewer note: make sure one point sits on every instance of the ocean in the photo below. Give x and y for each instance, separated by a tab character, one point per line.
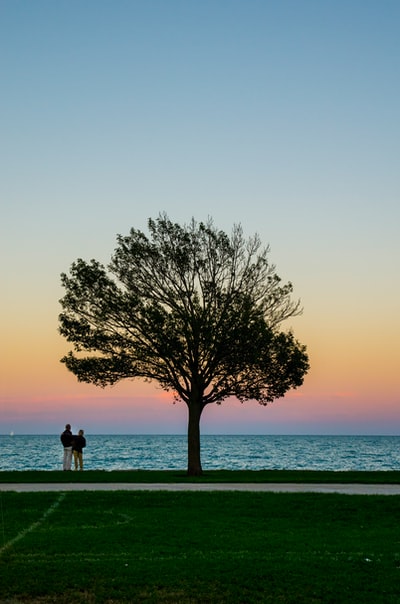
232	452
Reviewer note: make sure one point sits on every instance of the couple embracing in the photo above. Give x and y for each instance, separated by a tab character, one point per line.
73	445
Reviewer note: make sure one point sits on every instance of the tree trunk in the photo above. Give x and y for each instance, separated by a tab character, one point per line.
194	460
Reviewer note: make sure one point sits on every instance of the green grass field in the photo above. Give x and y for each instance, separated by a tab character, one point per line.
234	476
208	547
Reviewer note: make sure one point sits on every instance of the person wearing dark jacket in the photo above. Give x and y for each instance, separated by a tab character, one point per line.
78	444
66	439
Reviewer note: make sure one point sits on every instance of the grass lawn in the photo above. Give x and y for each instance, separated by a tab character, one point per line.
233	476
207	547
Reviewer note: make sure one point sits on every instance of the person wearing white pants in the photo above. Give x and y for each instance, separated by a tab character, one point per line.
66	439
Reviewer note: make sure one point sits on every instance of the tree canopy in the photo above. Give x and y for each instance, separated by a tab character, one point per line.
190	307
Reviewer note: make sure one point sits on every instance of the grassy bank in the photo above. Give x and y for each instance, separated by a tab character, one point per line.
110	548
225	476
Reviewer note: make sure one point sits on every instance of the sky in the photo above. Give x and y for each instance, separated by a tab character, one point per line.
281	116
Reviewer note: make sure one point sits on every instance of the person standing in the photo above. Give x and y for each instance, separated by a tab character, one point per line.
78	444
66	439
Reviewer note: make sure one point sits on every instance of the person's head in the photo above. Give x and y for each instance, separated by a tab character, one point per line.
81	433
68	427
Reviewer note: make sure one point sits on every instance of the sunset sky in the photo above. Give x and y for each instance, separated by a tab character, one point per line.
282	116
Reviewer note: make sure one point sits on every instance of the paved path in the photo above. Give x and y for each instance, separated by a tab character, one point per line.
349	489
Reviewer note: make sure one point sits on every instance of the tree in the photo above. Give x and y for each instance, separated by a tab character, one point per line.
190	307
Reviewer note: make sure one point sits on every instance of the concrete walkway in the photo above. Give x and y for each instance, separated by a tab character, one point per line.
348	489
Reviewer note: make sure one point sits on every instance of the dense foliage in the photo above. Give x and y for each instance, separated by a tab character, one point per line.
190	307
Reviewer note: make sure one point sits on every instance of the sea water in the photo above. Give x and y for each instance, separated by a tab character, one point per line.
232	452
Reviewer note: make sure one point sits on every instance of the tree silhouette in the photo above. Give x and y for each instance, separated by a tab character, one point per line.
190	307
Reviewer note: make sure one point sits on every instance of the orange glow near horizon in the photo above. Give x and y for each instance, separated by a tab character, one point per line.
353	385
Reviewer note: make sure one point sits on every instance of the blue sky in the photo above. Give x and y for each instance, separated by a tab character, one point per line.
283	116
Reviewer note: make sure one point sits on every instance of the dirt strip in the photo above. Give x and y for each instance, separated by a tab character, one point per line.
348	489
